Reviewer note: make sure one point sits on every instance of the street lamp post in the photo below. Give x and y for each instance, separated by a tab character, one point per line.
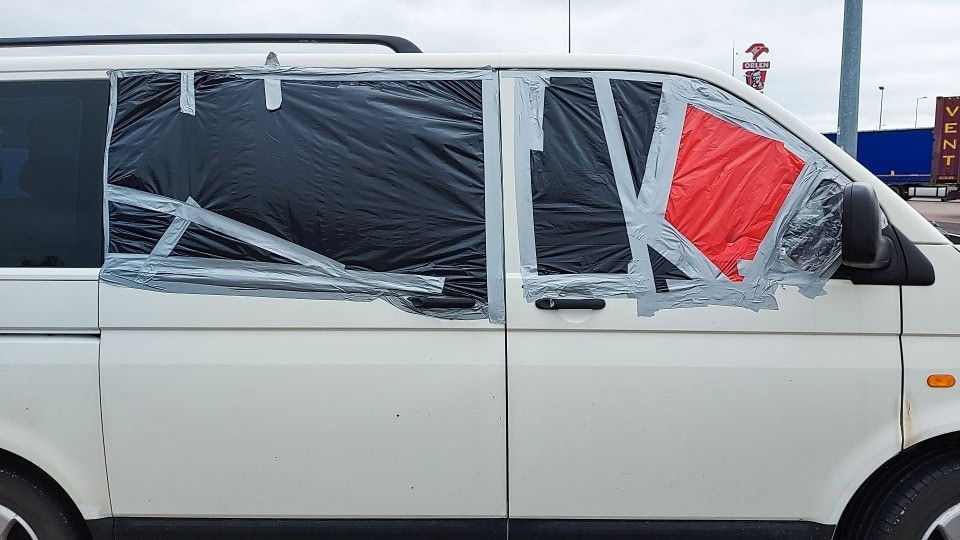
850	76
880	121
916	110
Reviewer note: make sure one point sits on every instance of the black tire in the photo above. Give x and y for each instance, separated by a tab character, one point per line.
916	501
40	507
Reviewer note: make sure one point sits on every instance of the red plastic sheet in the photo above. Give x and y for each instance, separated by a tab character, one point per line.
728	186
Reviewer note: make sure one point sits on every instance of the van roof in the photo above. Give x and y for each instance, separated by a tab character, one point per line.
100	53
14	61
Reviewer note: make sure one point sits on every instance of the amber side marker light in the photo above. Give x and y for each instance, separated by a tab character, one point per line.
941	380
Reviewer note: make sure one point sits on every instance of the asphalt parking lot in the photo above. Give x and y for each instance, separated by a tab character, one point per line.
945	214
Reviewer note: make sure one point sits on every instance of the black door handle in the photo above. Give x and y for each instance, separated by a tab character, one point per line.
441	302
570	303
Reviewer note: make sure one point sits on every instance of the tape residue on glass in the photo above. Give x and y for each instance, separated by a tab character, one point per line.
349	185
667	190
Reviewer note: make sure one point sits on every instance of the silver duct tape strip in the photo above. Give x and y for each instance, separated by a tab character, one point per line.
324	266
219	276
493	203
271	85
111	118
165	246
272	93
700	293
528	136
224	225
188	100
585	285
171	237
633	217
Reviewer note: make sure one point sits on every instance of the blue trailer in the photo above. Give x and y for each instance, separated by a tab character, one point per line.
901	158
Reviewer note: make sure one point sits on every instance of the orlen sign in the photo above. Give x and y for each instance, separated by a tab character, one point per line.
946	136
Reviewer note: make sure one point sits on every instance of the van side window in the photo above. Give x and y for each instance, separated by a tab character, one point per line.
52	137
352	188
666	189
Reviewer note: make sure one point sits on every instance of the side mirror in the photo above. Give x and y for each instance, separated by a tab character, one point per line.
862	244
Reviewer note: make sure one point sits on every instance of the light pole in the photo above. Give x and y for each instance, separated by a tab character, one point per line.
569	25
880	121
850	76
916	110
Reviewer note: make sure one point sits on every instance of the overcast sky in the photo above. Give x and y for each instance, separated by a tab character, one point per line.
912	47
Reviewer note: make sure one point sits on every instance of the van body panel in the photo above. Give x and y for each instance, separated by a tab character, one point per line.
691	413
49	306
931	336
359	418
51	413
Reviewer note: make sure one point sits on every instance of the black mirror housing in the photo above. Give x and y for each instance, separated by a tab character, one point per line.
862	243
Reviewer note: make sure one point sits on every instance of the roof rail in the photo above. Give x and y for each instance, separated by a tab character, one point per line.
397	44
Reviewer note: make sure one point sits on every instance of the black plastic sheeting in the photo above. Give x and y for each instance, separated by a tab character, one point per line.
813	235
663	270
578	220
383	176
135	230
637	105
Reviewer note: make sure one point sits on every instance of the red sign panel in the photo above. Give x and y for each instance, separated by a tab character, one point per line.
946	141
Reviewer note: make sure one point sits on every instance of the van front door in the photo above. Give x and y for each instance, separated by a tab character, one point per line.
694	413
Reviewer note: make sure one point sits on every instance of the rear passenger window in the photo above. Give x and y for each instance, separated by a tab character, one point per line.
52	137
352	189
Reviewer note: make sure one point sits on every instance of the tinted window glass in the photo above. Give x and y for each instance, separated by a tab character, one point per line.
51	173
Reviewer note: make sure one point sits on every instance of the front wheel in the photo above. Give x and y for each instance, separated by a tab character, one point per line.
30	511
925	505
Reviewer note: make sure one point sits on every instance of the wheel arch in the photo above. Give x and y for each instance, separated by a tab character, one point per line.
885	478
22	466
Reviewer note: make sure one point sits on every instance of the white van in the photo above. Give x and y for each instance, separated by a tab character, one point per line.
455	296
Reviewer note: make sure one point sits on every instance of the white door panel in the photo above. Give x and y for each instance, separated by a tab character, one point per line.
696	413
50	394
51	413
270	421
695	425
42	300
846	309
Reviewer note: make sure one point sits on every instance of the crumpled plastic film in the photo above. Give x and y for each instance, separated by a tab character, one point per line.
731	205
274	201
